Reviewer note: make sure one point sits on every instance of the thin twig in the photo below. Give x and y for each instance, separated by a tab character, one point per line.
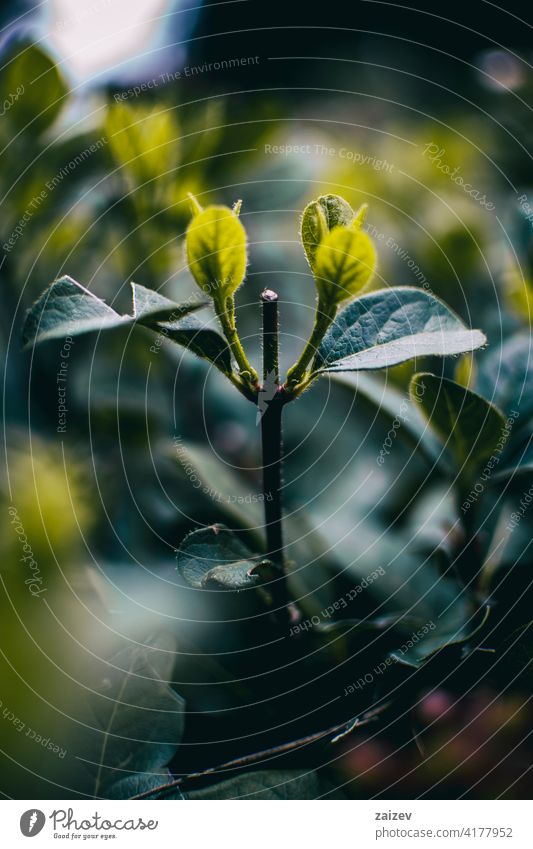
336	732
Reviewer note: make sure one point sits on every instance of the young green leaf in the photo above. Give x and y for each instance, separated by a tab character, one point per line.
467	424
216	251
391	326
319	217
344	263
215	558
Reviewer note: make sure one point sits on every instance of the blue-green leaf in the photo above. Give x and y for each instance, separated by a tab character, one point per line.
67	308
391	326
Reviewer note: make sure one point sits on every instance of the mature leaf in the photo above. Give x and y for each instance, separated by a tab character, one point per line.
468	425
216	558
139	718
216	250
344	262
391	326
267	784
148	304
198	338
67	308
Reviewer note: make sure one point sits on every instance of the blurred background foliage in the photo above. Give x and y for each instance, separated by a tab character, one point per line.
96	178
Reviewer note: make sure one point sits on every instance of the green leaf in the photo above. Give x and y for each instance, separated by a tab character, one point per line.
216	250
215	558
67	308
466	423
138	718
267	784
319	217
344	262
391	326
33	87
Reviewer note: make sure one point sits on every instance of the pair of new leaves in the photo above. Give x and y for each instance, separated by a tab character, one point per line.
374	331
340	254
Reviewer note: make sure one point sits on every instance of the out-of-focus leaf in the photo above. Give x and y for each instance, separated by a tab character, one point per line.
267	784
450	629
138	718
216	558
391	326
505	377
144	141
465	371
32	89
517	462
217	481
467	424
394	404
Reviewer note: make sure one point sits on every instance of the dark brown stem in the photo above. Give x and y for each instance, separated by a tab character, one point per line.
271	401
336	732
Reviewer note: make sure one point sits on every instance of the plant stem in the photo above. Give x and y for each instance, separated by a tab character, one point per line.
324	316
226	316
271	427
331	735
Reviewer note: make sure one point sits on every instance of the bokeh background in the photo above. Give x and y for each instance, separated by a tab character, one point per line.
111	113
